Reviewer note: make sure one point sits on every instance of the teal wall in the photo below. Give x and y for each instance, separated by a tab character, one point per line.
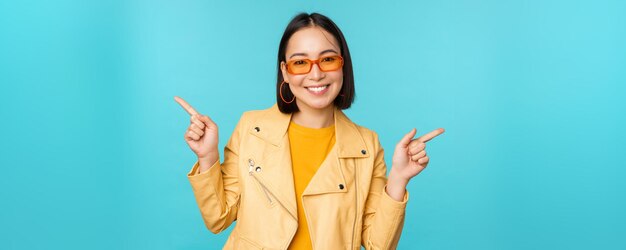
531	94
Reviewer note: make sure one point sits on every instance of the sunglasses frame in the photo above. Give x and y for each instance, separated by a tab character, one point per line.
313	62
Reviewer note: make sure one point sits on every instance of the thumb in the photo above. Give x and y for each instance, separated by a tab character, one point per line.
207	121
407	139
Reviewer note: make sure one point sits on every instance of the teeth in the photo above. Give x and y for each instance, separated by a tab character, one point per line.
317	89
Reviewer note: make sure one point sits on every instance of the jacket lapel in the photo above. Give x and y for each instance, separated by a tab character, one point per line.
276	166
348	144
276	172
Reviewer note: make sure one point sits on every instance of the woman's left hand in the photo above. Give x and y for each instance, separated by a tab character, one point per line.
409	159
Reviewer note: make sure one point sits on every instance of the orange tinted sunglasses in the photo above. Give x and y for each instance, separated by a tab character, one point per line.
304	66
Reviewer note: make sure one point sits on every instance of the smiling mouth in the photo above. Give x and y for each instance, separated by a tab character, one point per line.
317	89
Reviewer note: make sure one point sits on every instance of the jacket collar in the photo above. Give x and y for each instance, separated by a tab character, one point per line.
272	126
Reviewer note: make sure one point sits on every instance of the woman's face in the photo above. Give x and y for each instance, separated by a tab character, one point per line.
316	89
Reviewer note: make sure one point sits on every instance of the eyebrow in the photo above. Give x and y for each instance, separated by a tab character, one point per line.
305	54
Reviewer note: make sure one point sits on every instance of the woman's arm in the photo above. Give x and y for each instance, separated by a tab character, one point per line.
383	217
217	189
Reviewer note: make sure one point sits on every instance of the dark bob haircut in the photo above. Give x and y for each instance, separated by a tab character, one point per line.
301	21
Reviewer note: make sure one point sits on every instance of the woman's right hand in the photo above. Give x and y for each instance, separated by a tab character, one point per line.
201	135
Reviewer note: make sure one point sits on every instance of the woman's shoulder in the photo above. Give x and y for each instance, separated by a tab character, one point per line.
266	120
369	136
268	113
367	133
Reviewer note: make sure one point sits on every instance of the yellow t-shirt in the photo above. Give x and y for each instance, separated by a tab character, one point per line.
309	147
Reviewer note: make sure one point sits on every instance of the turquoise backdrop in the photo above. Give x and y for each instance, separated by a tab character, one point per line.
531	94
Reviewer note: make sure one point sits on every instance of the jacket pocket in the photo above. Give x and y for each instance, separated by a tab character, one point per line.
260	187
270	202
243	243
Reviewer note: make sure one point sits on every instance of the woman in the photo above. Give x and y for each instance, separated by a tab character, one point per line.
301	175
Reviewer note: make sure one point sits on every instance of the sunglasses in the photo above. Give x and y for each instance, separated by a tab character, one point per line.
303	66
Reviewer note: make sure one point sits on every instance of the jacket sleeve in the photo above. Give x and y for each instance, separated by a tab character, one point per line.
383	217
217	190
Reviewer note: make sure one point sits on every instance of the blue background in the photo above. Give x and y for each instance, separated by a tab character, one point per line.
531	94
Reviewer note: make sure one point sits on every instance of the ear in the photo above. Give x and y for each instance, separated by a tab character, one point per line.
283	70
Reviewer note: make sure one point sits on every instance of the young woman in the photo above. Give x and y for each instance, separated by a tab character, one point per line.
301	175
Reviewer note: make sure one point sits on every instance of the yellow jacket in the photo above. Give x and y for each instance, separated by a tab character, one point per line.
345	202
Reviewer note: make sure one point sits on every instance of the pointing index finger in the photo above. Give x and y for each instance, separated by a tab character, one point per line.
431	135
185	105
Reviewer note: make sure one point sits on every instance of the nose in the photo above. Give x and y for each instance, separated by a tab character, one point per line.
316	74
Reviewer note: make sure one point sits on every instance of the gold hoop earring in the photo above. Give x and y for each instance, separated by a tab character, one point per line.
280	92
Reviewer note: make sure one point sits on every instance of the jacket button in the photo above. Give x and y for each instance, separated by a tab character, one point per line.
257	129
341	186
363	151
258	169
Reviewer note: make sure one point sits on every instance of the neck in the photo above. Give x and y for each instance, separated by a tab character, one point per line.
314	118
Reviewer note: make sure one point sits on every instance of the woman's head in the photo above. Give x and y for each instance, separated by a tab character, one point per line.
315	64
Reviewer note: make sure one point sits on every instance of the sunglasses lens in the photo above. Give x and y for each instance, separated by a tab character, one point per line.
330	63
303	66
299	66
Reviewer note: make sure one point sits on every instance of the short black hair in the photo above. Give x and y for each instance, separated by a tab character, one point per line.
303	20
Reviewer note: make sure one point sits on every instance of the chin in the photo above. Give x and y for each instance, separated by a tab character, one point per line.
318	104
